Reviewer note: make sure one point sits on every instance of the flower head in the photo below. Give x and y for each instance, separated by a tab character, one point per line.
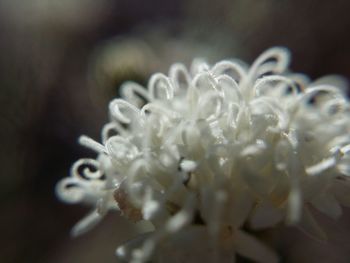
209	150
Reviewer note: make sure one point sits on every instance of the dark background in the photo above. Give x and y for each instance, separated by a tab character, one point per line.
62	61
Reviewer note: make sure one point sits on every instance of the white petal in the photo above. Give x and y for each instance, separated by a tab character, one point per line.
265	215
254	180
294	206
327	204
320	167
86	224
92	144
334	80
241	209
133	247
309	225
250	247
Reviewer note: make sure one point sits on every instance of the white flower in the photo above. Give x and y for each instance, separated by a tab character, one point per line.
208	151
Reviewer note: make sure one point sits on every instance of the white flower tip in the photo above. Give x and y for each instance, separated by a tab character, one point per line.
294	207
92	144
309	225
188	165
86	224
150	209
68	191
120	252
321	166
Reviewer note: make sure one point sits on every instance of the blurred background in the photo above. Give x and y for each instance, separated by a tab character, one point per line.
61	61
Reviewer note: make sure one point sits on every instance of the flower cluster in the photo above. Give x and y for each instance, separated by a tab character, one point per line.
205	155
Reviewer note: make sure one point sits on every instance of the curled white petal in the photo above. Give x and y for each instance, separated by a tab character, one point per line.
262	64
92	144
160	87
133	93
91	170
116	108
70	191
